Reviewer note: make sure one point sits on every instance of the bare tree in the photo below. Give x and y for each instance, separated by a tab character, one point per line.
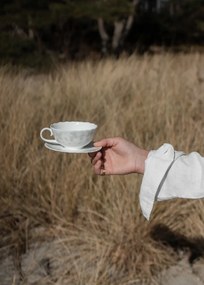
121	30
103	34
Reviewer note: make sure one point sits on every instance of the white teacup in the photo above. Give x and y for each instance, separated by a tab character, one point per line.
70	134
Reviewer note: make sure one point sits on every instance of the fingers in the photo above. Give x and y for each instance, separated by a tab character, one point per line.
95	158
98	159
92	154
106	142
98	167
98	163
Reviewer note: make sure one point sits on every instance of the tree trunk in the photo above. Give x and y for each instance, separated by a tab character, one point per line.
121	30
158	5
31	32
104	36
117	36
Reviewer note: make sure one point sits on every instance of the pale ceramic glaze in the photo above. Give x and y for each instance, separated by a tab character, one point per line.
70	134
86	149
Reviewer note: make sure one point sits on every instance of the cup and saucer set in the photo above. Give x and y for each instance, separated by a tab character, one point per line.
71	137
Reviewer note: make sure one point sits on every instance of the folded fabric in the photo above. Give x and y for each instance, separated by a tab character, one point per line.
171	174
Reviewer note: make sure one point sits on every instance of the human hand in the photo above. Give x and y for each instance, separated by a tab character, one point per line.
118	156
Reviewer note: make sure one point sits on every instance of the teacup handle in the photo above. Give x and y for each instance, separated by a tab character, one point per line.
51	134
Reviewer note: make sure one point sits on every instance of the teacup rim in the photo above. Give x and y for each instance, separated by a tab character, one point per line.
93	125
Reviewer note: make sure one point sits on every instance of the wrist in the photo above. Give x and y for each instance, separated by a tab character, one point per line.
140	161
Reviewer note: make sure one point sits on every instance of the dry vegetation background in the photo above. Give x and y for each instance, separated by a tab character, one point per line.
91	227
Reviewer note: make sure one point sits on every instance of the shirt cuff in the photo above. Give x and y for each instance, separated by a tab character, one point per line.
157	165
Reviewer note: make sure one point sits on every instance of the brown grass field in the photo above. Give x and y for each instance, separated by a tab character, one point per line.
94	224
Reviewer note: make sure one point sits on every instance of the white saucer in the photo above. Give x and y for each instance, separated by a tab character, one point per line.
86	149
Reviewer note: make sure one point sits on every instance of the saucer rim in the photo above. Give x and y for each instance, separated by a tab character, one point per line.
63	149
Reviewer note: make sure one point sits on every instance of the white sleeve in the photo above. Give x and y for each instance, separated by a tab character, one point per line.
171	174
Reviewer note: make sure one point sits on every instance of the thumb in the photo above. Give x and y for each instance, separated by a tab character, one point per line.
108	142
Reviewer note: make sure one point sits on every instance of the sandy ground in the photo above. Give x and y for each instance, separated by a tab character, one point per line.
35	269
183	273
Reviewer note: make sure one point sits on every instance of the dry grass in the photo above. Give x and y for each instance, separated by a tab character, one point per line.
97	220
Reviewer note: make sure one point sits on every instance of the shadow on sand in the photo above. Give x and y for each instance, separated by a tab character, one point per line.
161	233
